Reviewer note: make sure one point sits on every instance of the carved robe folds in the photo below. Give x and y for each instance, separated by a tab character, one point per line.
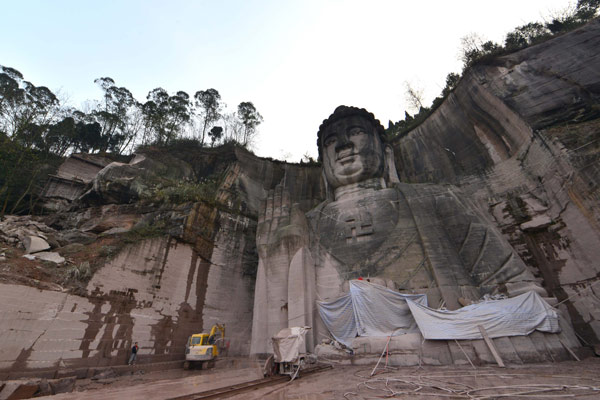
413	238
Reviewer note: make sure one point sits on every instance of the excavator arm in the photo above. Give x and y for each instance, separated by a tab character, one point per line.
218	327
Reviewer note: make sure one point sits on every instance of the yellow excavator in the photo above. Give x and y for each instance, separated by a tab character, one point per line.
204	347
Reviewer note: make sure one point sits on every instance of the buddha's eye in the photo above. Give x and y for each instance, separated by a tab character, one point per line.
329	140
355	131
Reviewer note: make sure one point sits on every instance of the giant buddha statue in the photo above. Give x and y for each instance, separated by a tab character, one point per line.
414	238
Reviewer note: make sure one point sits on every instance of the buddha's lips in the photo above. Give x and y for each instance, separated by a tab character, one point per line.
345	157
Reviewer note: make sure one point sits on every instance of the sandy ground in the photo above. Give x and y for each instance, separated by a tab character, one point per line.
579	380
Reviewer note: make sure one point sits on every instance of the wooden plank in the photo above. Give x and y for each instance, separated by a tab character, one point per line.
461	349
569	350
23	392
490	344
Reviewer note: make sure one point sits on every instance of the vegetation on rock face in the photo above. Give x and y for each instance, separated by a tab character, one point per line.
477	51
178	192
144	231
397	129
36	130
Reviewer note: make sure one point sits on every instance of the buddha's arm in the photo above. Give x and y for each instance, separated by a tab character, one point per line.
282	231
487	256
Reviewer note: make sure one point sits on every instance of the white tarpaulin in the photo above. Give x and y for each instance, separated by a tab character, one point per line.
519	315
288	343
369	310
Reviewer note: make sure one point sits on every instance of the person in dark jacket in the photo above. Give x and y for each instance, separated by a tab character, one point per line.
133	356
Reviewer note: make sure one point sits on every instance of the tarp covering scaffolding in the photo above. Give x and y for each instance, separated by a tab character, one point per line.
369	310
373	310
516	316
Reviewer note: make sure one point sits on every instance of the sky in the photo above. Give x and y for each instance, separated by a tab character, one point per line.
295	60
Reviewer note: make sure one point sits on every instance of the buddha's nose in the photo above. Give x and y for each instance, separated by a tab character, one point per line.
342	142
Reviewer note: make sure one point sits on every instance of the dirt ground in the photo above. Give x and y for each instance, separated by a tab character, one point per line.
579	380
15	269
538	381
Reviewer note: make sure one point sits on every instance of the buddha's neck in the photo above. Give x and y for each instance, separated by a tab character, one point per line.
345	192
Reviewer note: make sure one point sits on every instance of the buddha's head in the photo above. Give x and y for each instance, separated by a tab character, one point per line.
351	147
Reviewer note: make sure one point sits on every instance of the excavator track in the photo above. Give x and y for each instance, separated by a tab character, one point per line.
232	390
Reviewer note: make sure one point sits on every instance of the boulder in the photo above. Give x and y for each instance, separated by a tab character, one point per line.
65	385
34	244
77	236
50	256
104	374
44	388
120	183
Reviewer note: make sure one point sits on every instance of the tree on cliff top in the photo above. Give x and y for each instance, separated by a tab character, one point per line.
250	119
209	103
475	50
118	115
165	117
29	121
24	107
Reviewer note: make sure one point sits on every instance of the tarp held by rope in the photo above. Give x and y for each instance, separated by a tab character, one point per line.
373	310
369	310
515	316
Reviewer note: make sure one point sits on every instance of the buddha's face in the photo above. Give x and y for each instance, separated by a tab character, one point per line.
352	152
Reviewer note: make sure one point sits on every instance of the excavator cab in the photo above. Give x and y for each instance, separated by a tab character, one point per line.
204	347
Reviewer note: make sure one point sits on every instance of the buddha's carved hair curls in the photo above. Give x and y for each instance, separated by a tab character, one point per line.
345	111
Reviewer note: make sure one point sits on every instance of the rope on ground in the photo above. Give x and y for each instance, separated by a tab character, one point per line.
432	385
385	351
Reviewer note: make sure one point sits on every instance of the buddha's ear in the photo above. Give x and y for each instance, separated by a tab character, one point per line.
390	172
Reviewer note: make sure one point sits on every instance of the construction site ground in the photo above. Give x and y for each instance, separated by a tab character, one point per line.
571	379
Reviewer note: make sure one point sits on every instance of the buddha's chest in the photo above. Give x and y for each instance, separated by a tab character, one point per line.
355	228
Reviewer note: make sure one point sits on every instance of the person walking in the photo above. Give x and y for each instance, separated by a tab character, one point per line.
133	356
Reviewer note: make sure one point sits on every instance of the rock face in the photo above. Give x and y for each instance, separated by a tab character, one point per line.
519	138
496	192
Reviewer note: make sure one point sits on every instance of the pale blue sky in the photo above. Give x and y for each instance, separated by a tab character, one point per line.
295	60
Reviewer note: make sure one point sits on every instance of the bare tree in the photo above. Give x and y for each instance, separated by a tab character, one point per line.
414	96
471	45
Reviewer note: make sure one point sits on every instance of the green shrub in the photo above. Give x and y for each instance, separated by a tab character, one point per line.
78	273
146	231
183	192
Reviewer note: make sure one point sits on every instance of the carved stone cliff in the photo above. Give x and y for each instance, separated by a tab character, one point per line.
517	138
520	138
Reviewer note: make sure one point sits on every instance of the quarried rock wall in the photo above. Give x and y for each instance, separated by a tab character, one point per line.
156	292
